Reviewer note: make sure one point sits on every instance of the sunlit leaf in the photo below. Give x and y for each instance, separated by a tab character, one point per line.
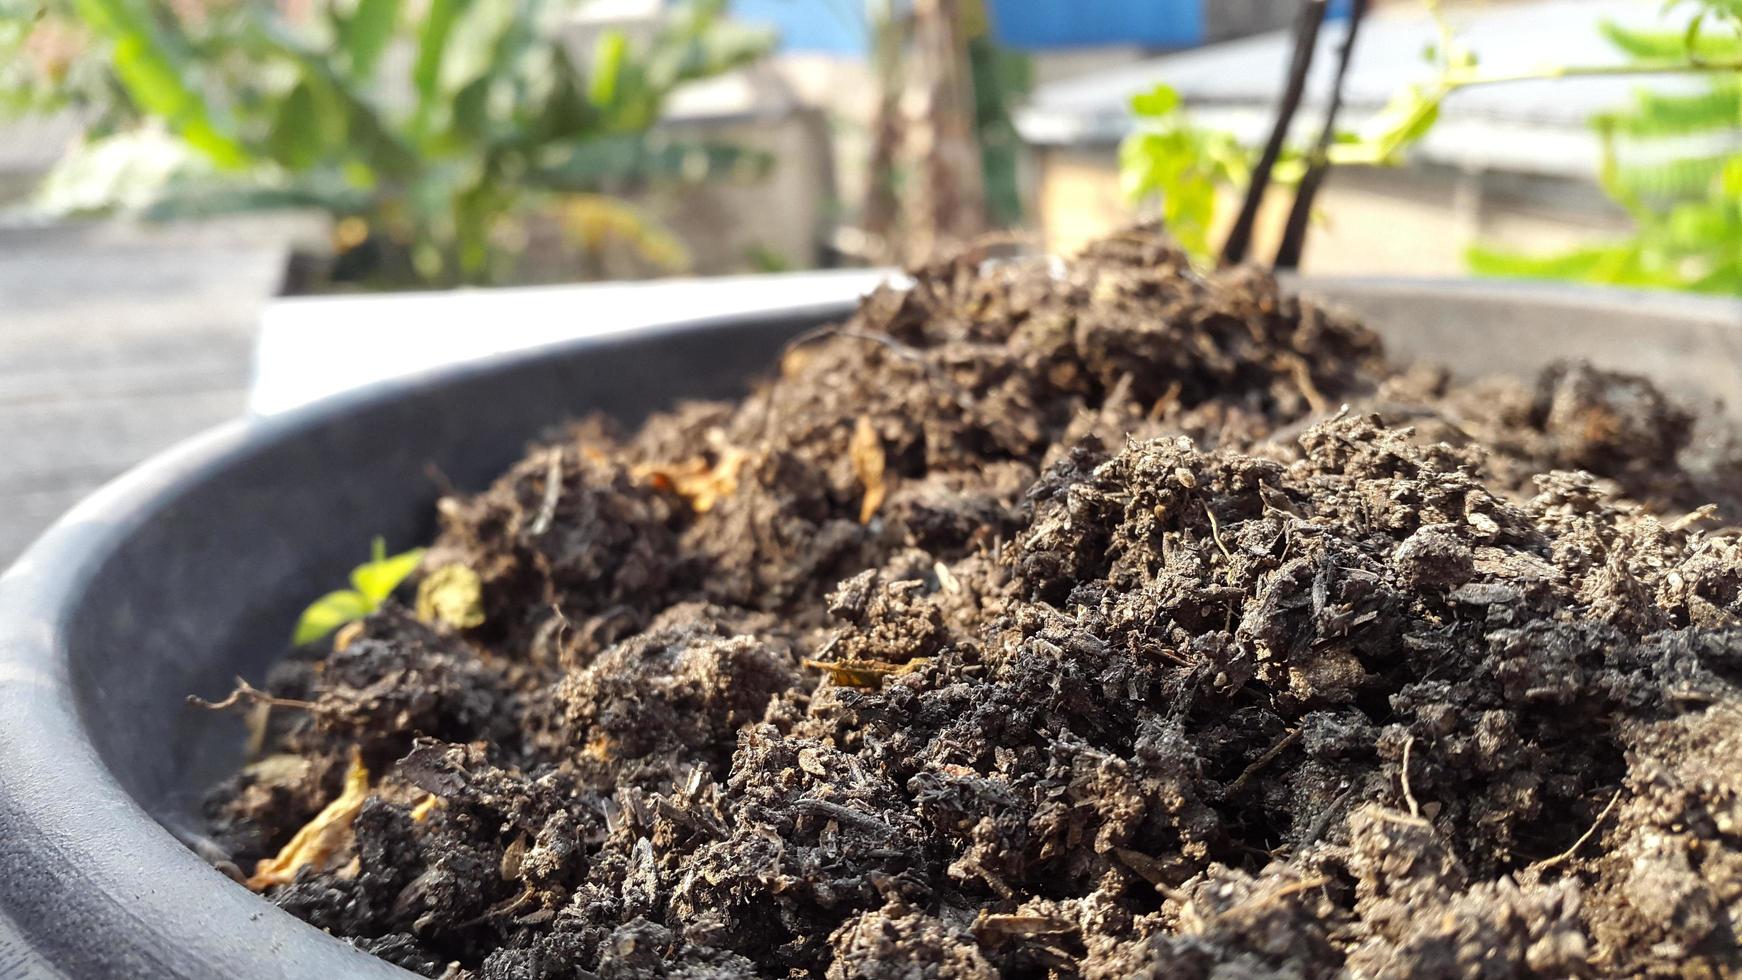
1159	101
377	579
328	613
1669	45
609	53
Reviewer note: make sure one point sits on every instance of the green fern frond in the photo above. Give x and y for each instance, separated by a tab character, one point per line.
1659	45
1619	264
1655	115
1685	177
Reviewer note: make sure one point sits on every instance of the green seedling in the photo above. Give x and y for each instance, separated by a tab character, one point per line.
371	583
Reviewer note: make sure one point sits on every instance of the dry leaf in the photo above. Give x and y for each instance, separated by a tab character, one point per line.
453	596
421	812
866	452
512	857
347	635
865	673
319	839
696	481
598	747
1021	925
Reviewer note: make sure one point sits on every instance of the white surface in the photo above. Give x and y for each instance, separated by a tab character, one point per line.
312	347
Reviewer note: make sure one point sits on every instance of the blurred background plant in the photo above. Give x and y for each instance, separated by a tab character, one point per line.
1180	168
1672	160
430	131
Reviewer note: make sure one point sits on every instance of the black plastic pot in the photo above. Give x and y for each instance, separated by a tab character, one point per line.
191	569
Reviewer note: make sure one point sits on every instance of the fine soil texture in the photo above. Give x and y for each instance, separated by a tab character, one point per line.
1086	619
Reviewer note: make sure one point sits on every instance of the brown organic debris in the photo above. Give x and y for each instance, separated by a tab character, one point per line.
329	833
866	450
864	673
698	481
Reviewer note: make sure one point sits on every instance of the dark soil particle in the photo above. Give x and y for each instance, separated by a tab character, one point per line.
1095	619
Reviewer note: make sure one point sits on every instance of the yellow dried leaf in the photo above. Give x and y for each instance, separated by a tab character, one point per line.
319	839
866	452
421	812
598	747
696	481
865	673
347	635
453	596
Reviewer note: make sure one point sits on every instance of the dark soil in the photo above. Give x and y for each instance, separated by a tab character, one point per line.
1139	655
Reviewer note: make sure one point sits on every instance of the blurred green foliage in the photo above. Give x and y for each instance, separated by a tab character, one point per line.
1674	161
428	128
1180	167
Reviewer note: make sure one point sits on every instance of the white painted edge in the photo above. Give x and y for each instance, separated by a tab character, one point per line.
313	347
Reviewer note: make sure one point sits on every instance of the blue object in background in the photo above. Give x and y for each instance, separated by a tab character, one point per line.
839	26
1043	24
825	26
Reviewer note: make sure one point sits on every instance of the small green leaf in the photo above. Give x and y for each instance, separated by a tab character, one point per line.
373	582
1681	177
328	613
148	66
1159	101
609	53
376	580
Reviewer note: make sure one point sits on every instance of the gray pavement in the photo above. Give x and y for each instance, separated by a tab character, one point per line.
115	344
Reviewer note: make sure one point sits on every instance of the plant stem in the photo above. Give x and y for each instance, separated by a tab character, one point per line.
1300	215
1306	36
1455	80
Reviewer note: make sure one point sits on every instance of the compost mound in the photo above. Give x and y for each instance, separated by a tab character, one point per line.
1082	619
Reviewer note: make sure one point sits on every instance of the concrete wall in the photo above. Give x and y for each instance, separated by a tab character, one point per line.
1414	221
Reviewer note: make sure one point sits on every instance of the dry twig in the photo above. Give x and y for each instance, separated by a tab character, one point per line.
1408	794
1567	854
246	693
1259	763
